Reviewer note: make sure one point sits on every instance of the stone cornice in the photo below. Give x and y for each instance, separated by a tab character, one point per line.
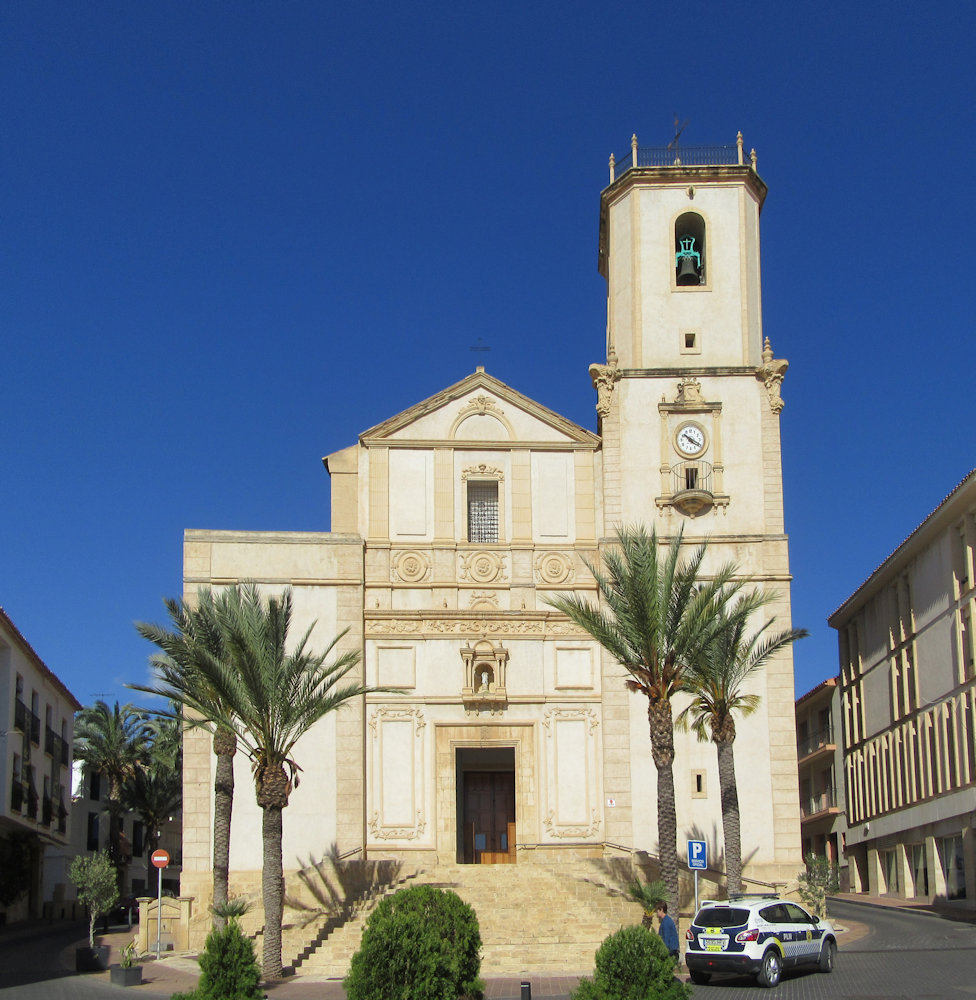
741	371
475	445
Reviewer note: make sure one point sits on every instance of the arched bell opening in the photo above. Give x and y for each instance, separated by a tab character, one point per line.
689	250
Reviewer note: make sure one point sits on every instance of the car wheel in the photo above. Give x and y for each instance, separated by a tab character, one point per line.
700	978
771	969
827	955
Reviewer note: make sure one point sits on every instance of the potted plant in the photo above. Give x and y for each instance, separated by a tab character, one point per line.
126	973
98	890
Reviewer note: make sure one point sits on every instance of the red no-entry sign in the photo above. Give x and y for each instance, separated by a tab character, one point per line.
160	858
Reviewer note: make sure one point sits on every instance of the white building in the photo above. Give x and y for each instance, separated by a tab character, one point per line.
36	733
511	737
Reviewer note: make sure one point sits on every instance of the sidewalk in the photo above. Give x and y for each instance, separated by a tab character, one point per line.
179	974
964	912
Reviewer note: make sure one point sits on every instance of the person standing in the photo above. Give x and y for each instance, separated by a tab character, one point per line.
668	932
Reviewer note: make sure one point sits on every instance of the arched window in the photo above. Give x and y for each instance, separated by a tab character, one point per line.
689	250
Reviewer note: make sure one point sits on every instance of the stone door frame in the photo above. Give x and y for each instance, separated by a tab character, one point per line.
448	739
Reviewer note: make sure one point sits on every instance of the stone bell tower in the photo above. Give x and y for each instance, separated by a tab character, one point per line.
689	404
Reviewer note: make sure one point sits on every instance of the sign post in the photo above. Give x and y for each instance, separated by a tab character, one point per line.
697	861
160	860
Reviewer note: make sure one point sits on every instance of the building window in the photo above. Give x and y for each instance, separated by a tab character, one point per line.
689	250
138	839
93	831
699	789
95	785
953	867
482	511
889	871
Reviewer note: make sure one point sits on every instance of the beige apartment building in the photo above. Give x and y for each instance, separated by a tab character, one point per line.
823	821
36	734
908	693
509	738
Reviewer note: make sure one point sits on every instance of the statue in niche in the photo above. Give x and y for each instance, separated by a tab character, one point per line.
485	684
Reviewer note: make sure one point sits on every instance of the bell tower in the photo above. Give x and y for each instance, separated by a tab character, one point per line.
689	403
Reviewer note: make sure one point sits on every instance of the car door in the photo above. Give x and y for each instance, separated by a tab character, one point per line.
806	933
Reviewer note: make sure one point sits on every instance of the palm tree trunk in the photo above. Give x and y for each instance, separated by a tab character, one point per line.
272	891
730	814
662	751
224	746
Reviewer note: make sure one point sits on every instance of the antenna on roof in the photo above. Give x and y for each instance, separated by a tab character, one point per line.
673	144
480	347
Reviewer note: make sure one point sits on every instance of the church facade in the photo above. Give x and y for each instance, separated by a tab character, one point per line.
505	735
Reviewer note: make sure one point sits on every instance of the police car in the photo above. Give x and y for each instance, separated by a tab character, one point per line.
759	936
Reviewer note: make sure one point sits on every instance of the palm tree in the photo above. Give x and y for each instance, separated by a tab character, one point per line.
190	650
112	742
659	614
155	794
717	678
273	697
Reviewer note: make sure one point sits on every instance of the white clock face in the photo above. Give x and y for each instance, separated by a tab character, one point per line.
691	439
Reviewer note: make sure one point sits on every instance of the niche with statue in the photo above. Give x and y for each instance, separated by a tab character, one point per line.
484	677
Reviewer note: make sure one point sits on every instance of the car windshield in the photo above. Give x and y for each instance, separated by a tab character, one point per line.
721	916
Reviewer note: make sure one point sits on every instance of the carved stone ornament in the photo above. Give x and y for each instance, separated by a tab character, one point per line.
483	600
555	715
554	568
483	471
410	566
482	567
480	404
689	391
771	373
396	833
603	378
572	832
473	628
388	714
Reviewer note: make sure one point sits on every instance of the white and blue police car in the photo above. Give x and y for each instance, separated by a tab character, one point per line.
758	936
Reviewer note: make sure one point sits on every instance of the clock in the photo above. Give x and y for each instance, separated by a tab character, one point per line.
690	440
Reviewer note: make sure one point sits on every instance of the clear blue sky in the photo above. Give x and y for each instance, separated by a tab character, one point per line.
237	234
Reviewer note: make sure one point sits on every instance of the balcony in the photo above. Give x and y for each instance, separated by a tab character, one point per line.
49	738
675	155
47	810
35	729
691	487
815	743
31	802
18	795
822	804
20	716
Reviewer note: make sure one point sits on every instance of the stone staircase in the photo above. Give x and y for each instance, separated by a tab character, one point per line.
534	917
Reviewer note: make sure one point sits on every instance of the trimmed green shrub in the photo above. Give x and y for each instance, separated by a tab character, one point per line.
421	943
632	964
229	970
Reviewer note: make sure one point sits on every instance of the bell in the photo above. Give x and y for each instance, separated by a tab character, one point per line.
688	272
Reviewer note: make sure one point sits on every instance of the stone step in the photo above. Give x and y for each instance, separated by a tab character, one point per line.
533	917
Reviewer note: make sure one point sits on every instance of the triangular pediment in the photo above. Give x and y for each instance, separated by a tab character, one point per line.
480	409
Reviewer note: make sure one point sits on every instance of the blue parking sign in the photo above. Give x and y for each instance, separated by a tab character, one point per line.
697	854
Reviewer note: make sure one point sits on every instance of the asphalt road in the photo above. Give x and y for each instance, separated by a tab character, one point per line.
905	956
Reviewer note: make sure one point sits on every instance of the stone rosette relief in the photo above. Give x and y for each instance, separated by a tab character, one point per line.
410	567
482	567
554	569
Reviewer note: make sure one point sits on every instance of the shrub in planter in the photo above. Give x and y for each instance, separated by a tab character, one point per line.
421	943
96	881
632	964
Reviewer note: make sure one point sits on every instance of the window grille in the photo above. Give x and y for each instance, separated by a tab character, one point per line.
482	512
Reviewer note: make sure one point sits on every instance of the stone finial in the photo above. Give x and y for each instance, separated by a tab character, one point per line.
633	149
603	378
738	143
613	164
771	373
753	160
